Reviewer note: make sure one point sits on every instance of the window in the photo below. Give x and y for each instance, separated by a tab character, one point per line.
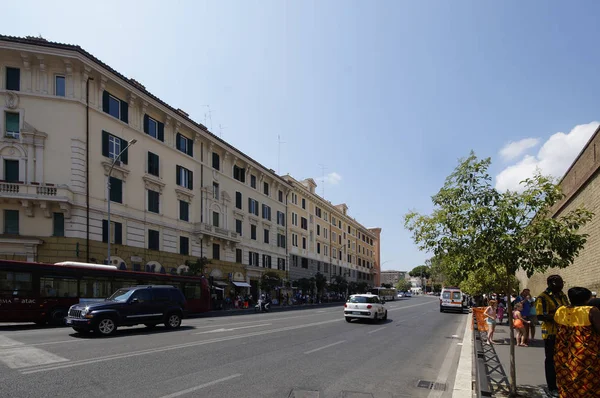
325	250
216	251
58	287
153	164
294	219
253	181
215	219
266	212
184	177
281	240
215	191
281	218
266	188
340	256
116	190
280	196
184	144
318	230
325	233
184	210
281	264
239	174
303	203
11	222
115	107
294	240
303	223
339	224
216	161
325	216
266	261
238	227
238	256
238	200
116	232
112	147
184	245
333	236
153	201
348	229
334	253
266	235
253	258
13	79
253	206
339	239
15	284
11	170
333	220
59	86
318	248
318	212
253	232
153	239
304	262
11	124
152	127
59	224
304	242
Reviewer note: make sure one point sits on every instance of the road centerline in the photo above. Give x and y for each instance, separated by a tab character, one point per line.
201	386
325	346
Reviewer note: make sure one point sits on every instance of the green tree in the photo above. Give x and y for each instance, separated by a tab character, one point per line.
386	285
421	271
305	284
339	284
269	281
320	282
481	228
352	287
196	268
403	285
362	287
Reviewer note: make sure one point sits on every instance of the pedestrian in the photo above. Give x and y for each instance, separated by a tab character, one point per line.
576	351
501	308
520	324
546	305
490	319
523	298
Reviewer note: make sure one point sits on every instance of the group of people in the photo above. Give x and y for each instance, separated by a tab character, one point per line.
571	334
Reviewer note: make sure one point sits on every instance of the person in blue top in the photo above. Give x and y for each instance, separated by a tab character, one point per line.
524	298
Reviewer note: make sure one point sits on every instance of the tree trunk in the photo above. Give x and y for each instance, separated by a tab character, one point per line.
513	369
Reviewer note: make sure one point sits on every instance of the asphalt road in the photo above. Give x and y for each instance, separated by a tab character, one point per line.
305	353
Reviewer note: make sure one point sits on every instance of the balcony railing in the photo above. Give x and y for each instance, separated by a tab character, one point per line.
202	228
17	189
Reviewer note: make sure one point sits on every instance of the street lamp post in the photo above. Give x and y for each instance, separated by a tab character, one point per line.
130	143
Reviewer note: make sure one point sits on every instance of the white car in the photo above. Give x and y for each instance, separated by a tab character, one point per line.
364	306
408	294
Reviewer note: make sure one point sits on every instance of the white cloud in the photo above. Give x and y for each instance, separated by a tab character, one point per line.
332	178
553	158
514	149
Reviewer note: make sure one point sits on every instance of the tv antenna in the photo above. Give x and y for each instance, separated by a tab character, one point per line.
322	166
220	130
279	142
209	113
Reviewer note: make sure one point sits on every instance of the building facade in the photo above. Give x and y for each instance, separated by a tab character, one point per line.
323	238
177	191
581	187
392	277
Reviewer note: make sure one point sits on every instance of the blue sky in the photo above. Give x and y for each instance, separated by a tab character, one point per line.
387	95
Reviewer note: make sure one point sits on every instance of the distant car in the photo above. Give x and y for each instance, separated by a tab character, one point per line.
148	305
451	299
365	306
400	295
408	294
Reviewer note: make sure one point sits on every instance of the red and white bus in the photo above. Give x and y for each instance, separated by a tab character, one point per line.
43	293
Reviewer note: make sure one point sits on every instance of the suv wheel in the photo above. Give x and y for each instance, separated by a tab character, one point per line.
106	326
173	321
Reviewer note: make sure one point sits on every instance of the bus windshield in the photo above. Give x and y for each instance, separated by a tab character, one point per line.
120	295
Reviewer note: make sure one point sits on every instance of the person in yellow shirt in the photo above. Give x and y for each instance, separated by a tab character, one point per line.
546	305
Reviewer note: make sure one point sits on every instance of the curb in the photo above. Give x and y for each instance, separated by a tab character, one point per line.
465	377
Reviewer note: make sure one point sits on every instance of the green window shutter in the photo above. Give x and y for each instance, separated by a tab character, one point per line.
190	148
124	111
105	136
116	190
146	124
11	170
105	101
105	231
59	224
161	131
190	181
13	79
118	233
125	155
178	141
178	176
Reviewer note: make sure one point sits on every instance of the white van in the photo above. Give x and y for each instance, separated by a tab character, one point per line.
451	299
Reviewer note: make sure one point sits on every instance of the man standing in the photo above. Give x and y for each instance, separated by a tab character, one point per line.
546	305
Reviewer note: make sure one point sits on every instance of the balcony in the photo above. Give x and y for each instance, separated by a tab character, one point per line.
37	194
216	232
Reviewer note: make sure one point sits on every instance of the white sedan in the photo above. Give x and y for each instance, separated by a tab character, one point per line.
364	306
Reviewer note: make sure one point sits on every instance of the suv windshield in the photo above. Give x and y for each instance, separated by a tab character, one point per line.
121	295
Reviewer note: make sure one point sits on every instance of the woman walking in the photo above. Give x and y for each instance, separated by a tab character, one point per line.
520	324
490	319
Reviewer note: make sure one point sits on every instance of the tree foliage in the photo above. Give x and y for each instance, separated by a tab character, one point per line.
423	271
196	268
269	281
306	285
320	282
481	230
339	284
403	285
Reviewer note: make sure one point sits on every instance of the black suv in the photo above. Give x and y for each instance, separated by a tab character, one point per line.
130	306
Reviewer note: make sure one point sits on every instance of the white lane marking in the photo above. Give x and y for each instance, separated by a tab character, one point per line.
17	355
446	368
410	306
462	381
58	342
376	330
201	386
229	330
324	347
170	348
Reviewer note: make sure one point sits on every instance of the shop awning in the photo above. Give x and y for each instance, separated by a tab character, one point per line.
241	284
217	288
219	283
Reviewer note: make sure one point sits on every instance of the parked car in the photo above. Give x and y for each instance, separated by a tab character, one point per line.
408	294
148	305
451	299
365	306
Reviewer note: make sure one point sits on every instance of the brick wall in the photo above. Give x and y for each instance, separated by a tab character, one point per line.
581	186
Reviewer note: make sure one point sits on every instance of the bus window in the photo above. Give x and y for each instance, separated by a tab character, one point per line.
95	288
15	283
58	287
192	291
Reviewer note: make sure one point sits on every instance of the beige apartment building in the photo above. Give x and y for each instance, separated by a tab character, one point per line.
323	238
392	277
178	193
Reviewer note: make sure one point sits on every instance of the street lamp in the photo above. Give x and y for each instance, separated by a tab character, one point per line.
130	143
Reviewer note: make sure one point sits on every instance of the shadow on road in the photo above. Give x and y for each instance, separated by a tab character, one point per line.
126	331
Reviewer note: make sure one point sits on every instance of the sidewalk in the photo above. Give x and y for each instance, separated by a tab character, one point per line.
531	380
